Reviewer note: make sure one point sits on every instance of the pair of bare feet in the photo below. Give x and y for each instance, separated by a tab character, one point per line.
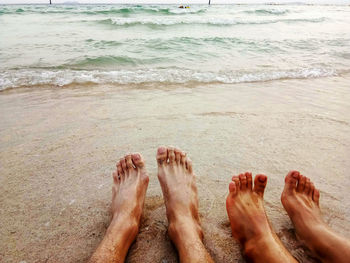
245	208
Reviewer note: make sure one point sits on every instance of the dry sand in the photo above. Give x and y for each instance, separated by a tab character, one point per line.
59	146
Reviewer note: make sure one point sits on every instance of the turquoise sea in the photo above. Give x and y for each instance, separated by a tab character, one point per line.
60	45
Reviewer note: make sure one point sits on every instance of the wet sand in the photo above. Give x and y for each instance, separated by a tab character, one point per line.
59	146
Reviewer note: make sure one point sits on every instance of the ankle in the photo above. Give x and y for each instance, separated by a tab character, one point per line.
183	229
258	242
266	248
124	224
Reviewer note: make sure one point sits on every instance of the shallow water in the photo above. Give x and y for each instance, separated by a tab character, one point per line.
67	44
59	147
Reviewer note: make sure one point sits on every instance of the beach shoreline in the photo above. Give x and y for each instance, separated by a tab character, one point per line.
59	147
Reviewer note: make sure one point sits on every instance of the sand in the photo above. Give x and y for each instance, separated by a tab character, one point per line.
59	146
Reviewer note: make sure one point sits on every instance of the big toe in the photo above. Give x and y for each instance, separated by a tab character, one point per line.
162	153
260	182
138	160
291	182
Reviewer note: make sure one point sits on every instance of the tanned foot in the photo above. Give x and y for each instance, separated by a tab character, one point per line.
249	223
301	200
130	182
178	184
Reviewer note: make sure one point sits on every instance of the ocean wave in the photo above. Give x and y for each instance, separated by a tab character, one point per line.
105	61
147	10
154	21
105	10
267	12
35	77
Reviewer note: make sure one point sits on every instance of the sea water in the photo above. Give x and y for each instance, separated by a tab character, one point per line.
60	45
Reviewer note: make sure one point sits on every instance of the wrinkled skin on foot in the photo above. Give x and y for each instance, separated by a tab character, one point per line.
301	200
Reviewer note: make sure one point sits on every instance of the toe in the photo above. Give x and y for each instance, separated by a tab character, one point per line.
249	180
161	155
183	159
307	186
291	181
120	172
232	188
115	177
243	181
177	155
316	196
301	184
260	182
123	165
138	160
189	165
171	155
311	191
235	179
128	161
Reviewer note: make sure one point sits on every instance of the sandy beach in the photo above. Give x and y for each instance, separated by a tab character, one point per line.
59	146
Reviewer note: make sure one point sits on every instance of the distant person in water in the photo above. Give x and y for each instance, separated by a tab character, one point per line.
244	204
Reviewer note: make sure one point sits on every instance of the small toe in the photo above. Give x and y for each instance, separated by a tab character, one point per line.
162	155
243	181
232	188
311	191
291	181
120	172
301	184
123	165
249	180
189	165
307	186
171	155
177	155
260	182
183	159
316	196
115	177
138	160
235	179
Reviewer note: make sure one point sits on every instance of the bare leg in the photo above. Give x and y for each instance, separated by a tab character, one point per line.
249	223
180	195
301	200
130	183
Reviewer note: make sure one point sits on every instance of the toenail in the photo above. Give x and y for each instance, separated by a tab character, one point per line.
161	150
137	156
295	175
262	179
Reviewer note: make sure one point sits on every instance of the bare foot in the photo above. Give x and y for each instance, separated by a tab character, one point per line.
249	223
178	184
130	182
301	200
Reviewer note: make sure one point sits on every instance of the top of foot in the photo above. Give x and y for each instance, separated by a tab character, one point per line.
245	207
178	184
300	198
130	181
249	223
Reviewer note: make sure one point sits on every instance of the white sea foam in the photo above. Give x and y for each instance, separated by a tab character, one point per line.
218	21
28	77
